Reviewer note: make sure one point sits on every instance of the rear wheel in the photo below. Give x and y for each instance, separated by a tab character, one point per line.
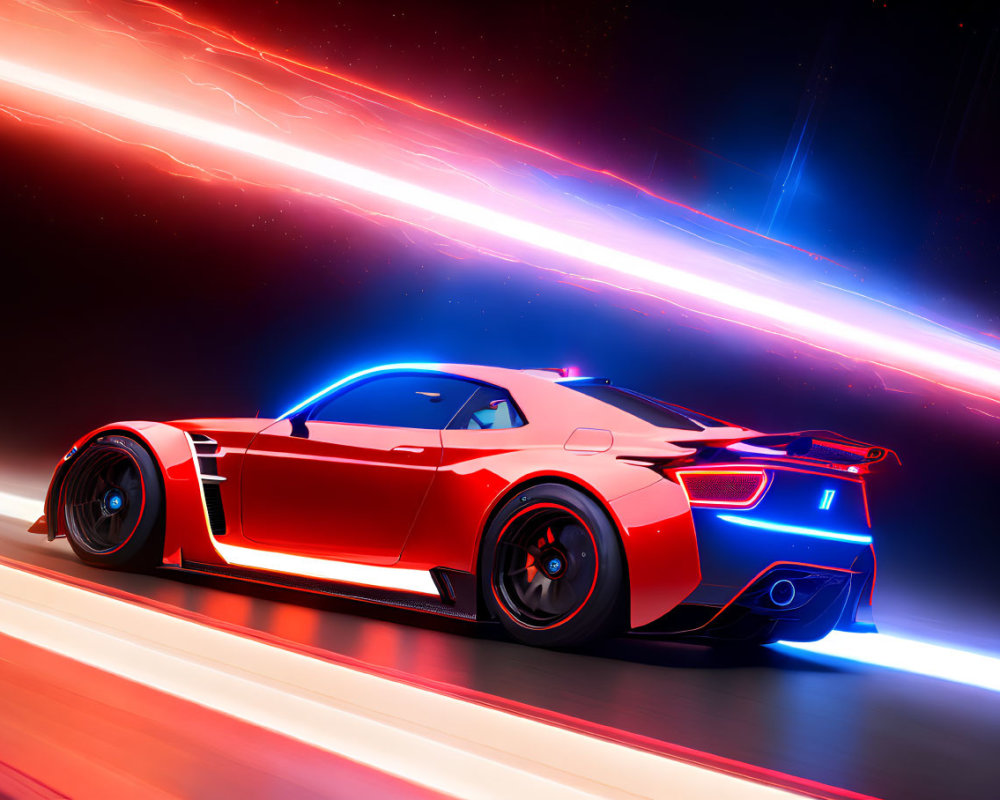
552	568
112	503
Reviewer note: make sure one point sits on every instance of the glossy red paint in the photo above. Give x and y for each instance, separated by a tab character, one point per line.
480	469
41	525
661	549
421	500
349	492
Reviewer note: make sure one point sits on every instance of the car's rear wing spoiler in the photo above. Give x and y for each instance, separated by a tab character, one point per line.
821	447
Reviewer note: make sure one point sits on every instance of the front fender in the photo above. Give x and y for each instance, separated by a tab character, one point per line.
186	522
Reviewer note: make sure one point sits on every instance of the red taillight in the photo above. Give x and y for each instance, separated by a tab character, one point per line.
732	487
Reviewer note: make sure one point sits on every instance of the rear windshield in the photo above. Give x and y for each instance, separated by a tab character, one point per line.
649	409
702	419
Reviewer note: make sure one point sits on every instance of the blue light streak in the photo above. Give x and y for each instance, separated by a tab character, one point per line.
356	376
827	500
798	530
905	655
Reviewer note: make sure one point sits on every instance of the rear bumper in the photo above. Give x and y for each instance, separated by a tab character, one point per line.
808	536
687	565
764	581
790	602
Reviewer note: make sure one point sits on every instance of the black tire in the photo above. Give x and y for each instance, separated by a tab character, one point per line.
111	505
551	569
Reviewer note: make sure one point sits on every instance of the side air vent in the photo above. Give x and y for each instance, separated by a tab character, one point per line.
207	451
213	504
203	443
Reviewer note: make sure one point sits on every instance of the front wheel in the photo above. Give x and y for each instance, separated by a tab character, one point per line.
111	505
552	568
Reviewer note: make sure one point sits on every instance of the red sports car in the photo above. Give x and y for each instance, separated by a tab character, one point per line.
566	508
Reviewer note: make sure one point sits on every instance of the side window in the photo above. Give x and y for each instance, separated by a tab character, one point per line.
412	400
490	408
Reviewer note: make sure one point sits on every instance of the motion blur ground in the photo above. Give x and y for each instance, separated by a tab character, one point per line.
766	715
422	733
68	730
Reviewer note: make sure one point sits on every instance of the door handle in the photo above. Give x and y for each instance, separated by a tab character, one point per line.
406	448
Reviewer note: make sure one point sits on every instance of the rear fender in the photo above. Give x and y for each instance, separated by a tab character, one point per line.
657	535
661	549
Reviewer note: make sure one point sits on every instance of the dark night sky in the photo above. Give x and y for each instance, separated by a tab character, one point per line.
130	294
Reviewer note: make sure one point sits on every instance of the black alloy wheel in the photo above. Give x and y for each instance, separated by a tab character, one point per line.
111	505
552	568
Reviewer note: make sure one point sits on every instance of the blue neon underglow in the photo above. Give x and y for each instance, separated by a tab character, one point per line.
798	530
827	500
363	373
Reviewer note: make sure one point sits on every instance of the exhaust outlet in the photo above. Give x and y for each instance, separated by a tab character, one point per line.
782	593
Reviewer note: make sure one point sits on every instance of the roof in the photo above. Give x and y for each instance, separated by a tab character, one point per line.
502	376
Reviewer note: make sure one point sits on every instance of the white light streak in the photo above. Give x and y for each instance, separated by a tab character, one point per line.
25	508
444	743
857	340
404	580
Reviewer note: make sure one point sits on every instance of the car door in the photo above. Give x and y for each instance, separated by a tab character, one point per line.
347	479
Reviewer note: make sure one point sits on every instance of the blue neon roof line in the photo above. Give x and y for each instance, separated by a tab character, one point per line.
779	527
363	373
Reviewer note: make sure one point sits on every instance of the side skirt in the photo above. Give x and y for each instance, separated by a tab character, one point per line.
458	589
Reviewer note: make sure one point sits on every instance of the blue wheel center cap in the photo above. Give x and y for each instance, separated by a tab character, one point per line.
114	500
554	565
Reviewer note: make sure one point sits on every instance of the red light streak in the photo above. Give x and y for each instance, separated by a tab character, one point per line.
221	109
